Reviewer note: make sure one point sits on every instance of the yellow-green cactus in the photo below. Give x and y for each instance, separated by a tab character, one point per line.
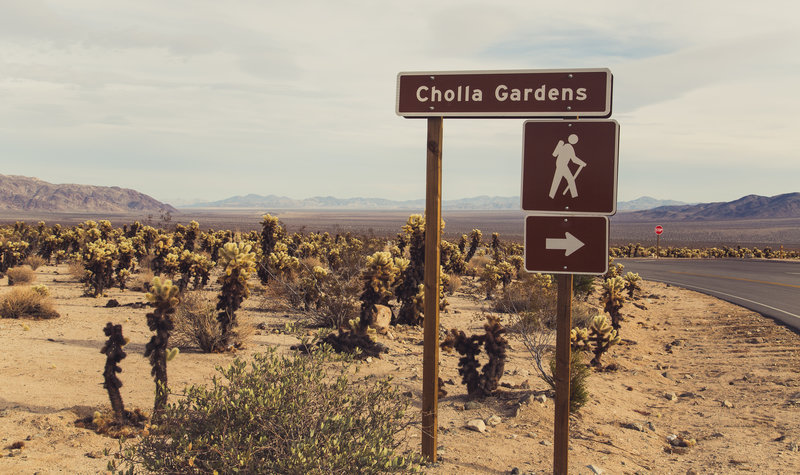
238	262
601	337
613	299
165	297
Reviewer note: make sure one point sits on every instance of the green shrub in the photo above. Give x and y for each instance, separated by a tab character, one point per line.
282	415
20	275
578	373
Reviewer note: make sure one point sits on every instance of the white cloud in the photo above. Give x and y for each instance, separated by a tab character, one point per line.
299	96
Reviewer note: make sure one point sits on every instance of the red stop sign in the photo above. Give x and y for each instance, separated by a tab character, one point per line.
659	229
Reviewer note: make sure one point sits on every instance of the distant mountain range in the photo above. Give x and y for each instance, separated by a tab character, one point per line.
329	202
747	207
31	194
21	193
646	202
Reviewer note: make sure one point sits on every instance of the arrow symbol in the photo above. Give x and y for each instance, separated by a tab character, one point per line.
569	243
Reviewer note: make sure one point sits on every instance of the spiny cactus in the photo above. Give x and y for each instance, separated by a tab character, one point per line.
601	337
579	339
114	354
238	262
381	275
495	274
612	299
413	276
632	283
164	296
474	241
98	260
484	383
271	233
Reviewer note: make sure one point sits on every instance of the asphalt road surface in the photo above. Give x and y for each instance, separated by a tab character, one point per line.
771	288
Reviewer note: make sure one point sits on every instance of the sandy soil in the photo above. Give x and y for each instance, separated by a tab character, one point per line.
689	365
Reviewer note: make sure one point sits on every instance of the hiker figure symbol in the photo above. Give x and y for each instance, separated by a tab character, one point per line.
565	154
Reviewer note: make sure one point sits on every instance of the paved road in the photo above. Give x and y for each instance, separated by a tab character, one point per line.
771	288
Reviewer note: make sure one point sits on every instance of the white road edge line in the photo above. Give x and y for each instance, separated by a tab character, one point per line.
712	292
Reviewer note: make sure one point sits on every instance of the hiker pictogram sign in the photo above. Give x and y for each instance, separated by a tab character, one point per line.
570	166
566	244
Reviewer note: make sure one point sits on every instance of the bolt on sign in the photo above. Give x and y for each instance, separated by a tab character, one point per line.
566	244
523	93
570	166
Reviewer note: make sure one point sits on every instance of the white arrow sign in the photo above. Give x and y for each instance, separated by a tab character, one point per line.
569	243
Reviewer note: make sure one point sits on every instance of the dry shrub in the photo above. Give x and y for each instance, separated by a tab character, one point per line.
452	283
476	265
35	261
76	270
24	302
141	280
20	275
196	323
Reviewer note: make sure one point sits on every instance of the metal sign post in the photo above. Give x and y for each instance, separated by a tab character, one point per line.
433	230
659	230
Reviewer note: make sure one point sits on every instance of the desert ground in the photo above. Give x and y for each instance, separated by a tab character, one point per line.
688	365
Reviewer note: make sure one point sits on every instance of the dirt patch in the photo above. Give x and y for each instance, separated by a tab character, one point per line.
689	366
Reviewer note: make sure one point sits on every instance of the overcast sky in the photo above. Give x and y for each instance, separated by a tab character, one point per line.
203	100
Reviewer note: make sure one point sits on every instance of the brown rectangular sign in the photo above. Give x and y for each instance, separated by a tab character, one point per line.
525	93
570	166
566	244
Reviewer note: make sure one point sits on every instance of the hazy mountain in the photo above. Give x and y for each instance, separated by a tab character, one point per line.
330	202
26	193
646	202
482	202
747	207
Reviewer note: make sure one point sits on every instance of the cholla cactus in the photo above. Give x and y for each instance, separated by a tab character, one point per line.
452	258
486	381
414	234
614	270
579	339
601	337
114	354
543	281
126	262
98	260
632	283
271	233
474	241
283	263
238	263
164	296
12	253
612	299
381	276
494	274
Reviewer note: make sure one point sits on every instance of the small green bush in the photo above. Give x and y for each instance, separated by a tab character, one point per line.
578	373
282	415
20	275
